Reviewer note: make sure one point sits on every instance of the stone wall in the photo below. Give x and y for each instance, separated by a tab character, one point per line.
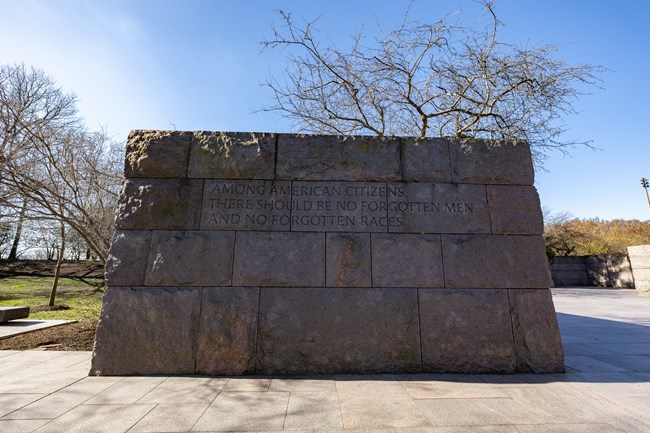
640	261
242	253
605	270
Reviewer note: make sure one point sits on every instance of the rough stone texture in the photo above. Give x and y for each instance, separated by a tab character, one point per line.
190	258
348	260
172	204
466	331
537	337
279	259
232	155
157	154
13	313
227	330
127	259
515	210
640	262
241	253
322	157
487	261
438	208
406	260
147	330
619	271
426	160
338	330
480	162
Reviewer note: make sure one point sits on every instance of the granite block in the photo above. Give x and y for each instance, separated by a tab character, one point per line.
406	260
227	330
487	162
279	259
246	205
147	330
342	330
348	260
161	154
515	210
190	258
437	208
537	336
466	331
127	259
171	204
232	155
426	160
487	261
327	157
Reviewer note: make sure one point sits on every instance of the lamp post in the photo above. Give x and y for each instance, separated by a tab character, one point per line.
645	185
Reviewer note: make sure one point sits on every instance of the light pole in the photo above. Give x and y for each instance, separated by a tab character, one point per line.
645	185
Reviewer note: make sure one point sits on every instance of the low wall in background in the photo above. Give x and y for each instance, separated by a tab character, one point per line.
605	270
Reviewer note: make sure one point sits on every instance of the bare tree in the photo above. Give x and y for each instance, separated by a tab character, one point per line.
439	79
52	162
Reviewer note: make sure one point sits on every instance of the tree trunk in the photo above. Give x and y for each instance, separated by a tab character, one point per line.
13	254
58	267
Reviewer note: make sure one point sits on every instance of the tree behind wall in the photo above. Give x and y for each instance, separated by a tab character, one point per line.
421	79
49	159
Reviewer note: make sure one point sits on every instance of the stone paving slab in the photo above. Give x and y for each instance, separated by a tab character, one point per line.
47	391
22	326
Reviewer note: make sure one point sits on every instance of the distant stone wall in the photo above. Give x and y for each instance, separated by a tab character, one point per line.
605	270
640	261
242	253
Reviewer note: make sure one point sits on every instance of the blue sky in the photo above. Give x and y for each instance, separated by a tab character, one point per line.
196	65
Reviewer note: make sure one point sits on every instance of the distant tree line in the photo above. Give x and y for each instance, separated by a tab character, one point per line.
568	236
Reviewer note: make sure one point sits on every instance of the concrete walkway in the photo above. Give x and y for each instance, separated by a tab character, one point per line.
606	389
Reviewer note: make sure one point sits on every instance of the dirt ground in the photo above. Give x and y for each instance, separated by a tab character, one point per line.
74	336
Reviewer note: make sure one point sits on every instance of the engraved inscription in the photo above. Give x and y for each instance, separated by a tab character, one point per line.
344	206
246	205
439	208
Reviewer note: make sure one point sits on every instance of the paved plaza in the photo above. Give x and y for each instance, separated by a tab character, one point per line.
606	388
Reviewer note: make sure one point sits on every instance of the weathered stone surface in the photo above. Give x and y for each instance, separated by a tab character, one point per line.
437	208
482	162
13	313
322	157
620	271
227	330
190	258
537	336
315	330
487	261
515	210
157	154
172	204
426	160
348	260
147	330
640	263
466	331
406	260
127	259
279	259
639	255
232	155
339	206
246	205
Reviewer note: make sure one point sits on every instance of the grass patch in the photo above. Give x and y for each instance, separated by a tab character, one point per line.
83	296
